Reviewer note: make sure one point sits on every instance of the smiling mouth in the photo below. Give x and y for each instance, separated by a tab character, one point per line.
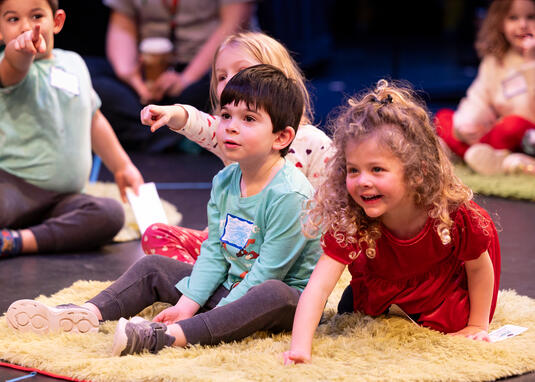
370	198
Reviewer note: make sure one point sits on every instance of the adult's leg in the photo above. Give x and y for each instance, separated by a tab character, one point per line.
79	221
269	306
179	243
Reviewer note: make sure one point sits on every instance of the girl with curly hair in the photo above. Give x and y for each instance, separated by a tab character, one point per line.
494	126
394	212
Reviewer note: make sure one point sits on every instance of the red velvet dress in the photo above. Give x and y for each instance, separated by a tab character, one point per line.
423	276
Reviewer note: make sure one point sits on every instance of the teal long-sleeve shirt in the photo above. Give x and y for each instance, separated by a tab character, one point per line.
253	239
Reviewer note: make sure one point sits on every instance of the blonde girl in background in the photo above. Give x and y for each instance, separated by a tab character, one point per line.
394	212
496	119
309	152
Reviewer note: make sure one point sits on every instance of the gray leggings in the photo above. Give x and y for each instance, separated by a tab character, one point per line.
60	222
268	306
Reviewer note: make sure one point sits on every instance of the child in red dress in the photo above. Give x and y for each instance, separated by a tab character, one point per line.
397	216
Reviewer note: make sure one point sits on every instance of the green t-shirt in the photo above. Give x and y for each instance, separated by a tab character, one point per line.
253	239
45	124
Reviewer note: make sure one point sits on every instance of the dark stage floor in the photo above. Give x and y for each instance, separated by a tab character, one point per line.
30	276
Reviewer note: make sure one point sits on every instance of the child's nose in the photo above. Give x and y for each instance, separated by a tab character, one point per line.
364	180
232	125
25	26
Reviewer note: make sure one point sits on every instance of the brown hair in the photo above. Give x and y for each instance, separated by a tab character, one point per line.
54	5
393	114
266	50
490	38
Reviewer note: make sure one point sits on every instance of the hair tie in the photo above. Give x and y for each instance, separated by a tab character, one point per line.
385	101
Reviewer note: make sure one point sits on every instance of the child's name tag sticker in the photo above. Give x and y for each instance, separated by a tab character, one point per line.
505	332
236	231
514	85
66	81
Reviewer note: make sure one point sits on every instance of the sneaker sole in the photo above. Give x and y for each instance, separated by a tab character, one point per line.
33	316
120	339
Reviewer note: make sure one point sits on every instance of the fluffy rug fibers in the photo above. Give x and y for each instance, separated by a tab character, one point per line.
346	348
515	186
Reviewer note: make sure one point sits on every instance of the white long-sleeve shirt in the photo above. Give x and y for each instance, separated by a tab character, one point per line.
500	89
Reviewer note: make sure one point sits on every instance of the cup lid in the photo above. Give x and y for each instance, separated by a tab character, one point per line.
156	45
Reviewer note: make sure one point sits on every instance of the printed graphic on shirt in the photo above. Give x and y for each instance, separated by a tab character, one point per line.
237	231
514	85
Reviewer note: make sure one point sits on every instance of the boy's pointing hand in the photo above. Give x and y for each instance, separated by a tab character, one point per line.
31	41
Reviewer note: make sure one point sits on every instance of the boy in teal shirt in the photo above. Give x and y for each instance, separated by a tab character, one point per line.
50	122
255	262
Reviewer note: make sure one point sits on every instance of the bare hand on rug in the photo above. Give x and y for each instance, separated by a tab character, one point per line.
293	357
474	333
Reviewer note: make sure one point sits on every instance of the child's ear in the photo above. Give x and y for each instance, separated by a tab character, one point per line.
59	20
284	138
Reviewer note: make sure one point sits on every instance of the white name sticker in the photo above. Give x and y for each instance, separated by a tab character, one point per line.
514	85
505	332
66	81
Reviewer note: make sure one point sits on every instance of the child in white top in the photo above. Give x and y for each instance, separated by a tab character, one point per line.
499	107
309	152
394	212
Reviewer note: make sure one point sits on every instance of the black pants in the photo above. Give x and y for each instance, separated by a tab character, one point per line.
60	222
268	306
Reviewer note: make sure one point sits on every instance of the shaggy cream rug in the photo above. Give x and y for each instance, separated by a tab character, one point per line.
517	186
130	230
346	348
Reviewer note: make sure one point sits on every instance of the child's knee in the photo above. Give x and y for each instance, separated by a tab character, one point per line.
112	213
277	293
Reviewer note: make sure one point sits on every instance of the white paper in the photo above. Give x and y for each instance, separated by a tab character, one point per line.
147	206
505	332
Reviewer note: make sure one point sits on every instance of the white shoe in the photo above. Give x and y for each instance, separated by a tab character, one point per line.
485	160
519	163
34	316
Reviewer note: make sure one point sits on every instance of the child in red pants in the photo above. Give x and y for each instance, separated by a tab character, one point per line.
498	113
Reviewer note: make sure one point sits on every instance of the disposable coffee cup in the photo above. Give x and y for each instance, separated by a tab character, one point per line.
156	55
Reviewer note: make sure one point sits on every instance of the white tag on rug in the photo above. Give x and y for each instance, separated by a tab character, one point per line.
505	332
147	206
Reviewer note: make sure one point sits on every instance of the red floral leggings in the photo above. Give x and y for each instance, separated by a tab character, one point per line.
179	243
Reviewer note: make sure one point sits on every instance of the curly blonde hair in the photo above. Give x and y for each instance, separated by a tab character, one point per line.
490	38
399	120
266	50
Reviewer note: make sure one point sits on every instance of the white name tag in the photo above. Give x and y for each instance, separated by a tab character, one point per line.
514	85
66	81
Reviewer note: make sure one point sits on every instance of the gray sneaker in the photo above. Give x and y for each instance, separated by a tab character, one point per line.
34	316
138	334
